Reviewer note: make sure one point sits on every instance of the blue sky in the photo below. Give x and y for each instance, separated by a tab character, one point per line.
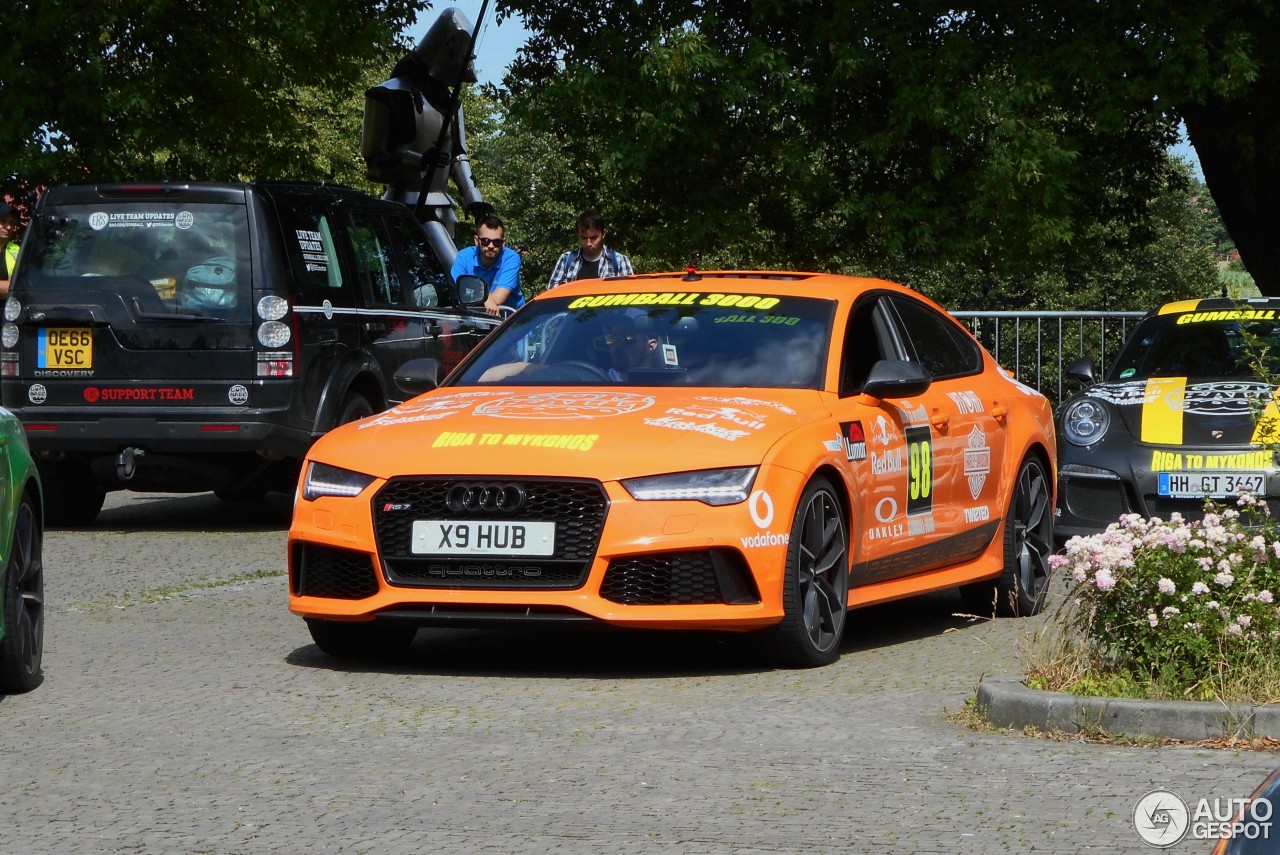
1184	150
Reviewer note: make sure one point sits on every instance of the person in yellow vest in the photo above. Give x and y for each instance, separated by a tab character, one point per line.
9	243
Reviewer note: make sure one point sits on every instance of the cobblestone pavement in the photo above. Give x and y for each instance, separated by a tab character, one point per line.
184	710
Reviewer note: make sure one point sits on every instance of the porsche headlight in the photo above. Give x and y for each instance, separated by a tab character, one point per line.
326	480
1086	421
709	486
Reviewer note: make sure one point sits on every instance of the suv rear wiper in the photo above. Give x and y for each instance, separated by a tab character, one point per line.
143	315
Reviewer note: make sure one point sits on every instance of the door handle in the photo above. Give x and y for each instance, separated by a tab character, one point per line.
375	327
939	419
999	411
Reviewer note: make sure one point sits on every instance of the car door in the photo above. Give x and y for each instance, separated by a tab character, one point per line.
967	424
390	331
890	444
323	292
449	329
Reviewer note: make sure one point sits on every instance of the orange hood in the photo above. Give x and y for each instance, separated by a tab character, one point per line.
589	432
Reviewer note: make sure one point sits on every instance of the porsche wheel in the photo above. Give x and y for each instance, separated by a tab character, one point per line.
346	640
22	647
1021	588
815	587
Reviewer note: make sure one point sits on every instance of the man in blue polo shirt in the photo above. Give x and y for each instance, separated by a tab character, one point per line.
492	261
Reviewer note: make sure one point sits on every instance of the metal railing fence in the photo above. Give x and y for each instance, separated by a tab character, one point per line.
1038	346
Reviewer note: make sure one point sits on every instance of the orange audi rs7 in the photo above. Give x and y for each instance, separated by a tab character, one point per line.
738	451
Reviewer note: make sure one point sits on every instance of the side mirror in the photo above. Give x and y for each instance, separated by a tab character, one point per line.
1082	371
472	291
895	378
418	375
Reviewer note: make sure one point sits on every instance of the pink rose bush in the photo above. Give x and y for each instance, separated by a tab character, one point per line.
1175	603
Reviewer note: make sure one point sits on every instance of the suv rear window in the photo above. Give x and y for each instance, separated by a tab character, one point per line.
171	257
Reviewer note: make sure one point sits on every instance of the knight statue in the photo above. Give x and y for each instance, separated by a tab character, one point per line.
403	146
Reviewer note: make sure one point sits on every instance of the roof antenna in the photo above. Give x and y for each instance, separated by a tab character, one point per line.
691	271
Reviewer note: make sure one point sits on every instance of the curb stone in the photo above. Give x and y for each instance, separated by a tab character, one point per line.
1006	702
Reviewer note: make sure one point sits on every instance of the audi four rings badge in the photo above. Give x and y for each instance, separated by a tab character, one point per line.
507	498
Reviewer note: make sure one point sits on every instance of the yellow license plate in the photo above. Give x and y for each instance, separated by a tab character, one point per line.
65	347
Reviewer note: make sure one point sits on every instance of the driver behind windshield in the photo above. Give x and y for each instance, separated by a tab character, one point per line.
629	347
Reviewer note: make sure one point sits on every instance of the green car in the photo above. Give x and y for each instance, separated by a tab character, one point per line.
21	564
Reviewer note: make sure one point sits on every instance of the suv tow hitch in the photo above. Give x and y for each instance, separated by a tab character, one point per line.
126	463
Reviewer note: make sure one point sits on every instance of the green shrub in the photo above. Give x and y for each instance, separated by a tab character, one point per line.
1174	609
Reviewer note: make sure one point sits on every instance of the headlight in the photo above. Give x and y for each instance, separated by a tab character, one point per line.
325	480
12	309
1086	421
709	486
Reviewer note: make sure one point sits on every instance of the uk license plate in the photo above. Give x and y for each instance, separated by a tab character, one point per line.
64	347
1218	485
486	537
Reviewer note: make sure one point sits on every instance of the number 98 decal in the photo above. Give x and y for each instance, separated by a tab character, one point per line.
919	469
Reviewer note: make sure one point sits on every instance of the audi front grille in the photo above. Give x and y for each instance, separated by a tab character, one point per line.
577	508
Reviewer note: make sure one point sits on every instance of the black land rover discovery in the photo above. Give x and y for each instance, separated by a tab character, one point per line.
191	337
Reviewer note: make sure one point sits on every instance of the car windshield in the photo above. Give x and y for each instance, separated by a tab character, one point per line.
166	258
659	339
1207	344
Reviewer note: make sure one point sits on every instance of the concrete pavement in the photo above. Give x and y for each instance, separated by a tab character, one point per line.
185	710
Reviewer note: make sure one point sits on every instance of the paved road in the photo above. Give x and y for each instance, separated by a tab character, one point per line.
184	710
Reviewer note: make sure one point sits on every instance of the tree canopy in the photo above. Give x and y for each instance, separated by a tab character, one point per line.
190	89
860	132
1010	149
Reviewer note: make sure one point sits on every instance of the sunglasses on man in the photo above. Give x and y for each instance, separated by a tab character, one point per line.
498	242
618	340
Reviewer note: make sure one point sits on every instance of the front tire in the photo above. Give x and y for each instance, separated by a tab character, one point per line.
22	648
346	640
815	586
354	407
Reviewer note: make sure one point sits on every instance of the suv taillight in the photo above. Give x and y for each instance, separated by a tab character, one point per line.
275	364
275	334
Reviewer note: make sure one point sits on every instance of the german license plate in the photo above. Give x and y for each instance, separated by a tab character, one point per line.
64	347
1219	485
486	537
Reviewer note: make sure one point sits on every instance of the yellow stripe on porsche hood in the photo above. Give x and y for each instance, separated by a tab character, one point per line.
1267	429
1161	421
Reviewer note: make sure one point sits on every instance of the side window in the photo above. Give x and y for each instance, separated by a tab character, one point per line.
941	346
375	264
865	344
423	272
312	251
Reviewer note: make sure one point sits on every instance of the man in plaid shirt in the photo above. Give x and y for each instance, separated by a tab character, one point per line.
592	259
